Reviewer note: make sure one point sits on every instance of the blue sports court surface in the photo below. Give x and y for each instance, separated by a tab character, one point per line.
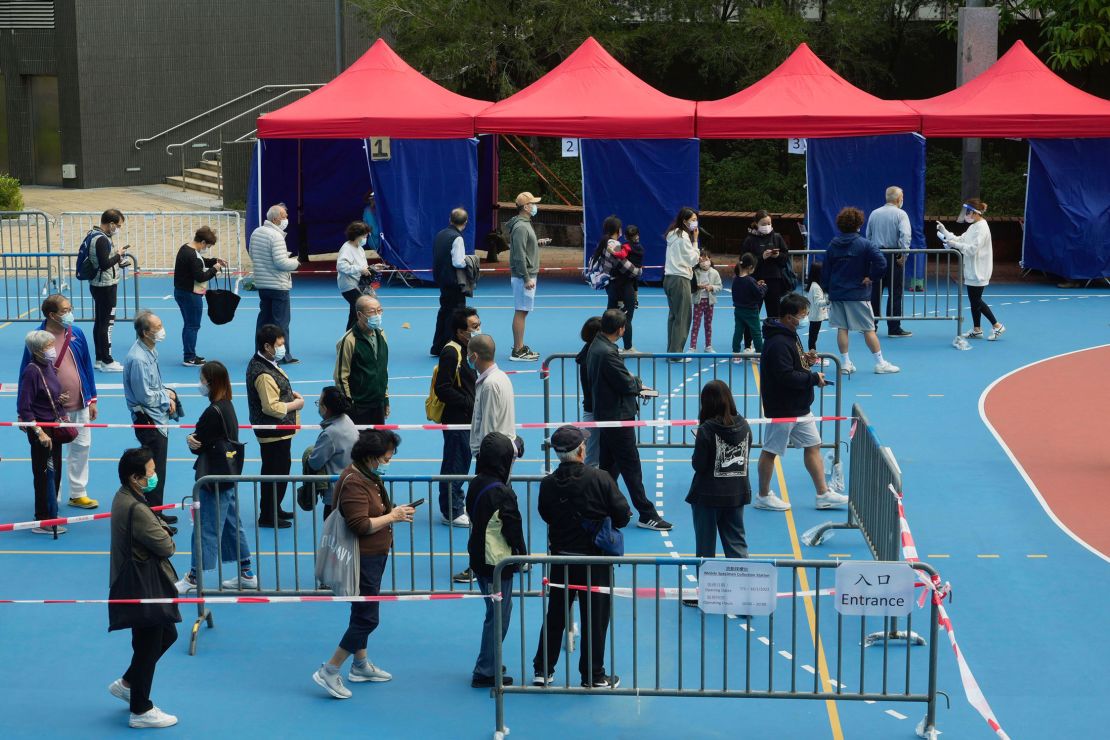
1029	606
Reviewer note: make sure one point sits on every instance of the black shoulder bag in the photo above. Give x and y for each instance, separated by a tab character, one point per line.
141	579
224	456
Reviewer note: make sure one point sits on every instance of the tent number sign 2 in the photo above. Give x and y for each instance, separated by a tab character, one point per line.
379	149
570	148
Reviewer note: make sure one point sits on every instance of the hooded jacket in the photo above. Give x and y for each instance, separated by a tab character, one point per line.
572	494
495	460
524	248
720	462
849	259
786	386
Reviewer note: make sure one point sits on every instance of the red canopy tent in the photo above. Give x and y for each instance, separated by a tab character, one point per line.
803	97
378	95
590	95
1018	96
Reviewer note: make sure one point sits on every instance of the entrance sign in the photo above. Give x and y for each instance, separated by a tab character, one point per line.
874	589
737	587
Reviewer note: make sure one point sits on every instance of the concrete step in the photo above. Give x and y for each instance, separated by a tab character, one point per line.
190	183
196	173
209	166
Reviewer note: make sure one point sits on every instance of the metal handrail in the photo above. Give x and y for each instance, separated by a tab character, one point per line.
234	118
140	142
206	152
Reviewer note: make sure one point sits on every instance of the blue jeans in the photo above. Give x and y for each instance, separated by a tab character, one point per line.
364	614
593	443
221	528
456	461
192	309
273	308
486	666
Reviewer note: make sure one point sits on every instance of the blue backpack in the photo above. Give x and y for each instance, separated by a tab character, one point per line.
85	268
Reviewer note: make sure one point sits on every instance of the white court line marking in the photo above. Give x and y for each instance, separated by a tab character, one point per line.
808	669
868	701
167	297
786	655
675	555
936	395
764	640
896	715
691	578
1014	460
900	395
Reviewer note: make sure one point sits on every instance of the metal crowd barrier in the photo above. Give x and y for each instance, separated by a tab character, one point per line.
157	235
28	277
679	385
285	572
660	648
942	274
872	506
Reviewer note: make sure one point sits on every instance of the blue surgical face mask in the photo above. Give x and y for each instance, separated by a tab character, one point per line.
475	332
279	353
151	483
362	242
66	319
375	321
381	469
533	210
204	390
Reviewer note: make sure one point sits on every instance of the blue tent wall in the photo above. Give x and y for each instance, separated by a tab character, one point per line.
415	191
856	171
644	182
1067	208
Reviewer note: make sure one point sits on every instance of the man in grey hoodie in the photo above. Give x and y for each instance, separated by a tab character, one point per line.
524	268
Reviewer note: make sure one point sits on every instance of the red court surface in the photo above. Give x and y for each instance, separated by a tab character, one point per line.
1054	416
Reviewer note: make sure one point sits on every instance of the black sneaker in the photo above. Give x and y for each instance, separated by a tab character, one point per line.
486	682
195	362
290	361
899	333
524	354
168	518
605	682
540	680
467	576
689	602
287	515
655	522
279	524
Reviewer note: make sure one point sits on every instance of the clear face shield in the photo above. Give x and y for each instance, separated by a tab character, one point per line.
965	214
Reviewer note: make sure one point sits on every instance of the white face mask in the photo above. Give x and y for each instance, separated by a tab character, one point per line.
279	353
693	225
533	209
704	264
161	335
475	332
66	319
50	355
284	224
362	242
204	390
765	229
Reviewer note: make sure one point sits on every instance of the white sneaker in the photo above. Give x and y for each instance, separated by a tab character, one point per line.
996	333
370	673
848	368
630	351
118	690
184	586
829	499
885	367
462	520
111	367
332	684
973	334
241	581
155	717
771	502
709	349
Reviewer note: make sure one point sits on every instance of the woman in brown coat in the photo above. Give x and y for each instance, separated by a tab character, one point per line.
363	501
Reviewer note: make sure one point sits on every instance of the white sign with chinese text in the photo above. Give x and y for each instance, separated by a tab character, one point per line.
737	587
874	589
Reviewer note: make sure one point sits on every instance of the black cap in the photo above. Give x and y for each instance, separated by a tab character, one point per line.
568	438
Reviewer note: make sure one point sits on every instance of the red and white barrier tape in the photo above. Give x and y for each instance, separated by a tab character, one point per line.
972	691
62	521
428	427
264	599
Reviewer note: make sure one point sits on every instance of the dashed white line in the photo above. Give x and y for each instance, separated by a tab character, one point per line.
786	655
764	640
896	715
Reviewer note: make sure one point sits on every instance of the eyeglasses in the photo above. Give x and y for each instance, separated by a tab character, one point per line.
374	312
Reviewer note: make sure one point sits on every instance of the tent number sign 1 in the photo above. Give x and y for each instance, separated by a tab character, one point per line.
379	148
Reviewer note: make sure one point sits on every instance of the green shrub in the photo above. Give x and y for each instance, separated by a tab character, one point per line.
11	196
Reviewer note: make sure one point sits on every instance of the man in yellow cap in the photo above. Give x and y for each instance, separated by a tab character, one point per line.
524	268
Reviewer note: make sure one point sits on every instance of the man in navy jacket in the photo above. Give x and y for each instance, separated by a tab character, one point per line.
75	373
786	387
852	264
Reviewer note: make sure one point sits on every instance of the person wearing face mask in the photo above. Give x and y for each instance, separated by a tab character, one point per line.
40	399
678	272
331	452
148	399
772	256
220	519
362	364
975	244
708	282
78	382
138	534
103	286
786	389
351	266
524	269
494	399
361	497
273	267
888	227
455	380
448	255
272	401
191	273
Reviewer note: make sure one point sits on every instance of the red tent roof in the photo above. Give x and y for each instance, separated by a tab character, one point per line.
378	95
1017	96
590	95
801	97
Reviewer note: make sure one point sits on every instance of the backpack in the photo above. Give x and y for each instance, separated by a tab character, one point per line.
597	277
433	406
85	268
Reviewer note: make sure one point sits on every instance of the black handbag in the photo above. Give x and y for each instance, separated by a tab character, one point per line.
222	303
224	456
141	579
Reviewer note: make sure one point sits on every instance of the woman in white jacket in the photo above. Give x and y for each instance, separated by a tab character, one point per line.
351	266
975	246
